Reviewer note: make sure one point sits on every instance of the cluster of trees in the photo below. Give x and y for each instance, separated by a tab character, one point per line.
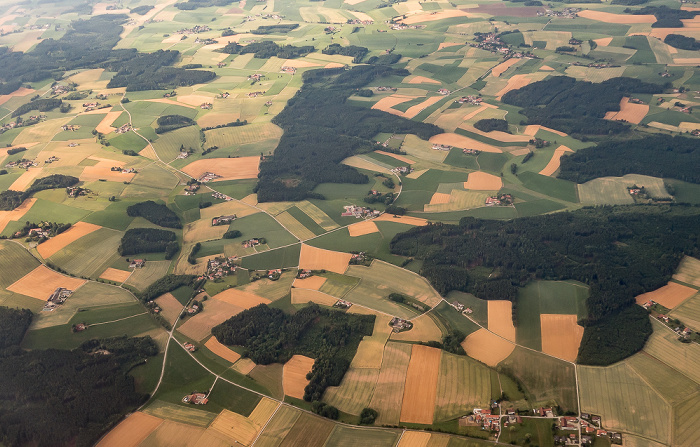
8	87
166	123
267	49
321	129
671	157
665	16
275	29
141	10
628	2
358	53
577	107
147	240
11	199
42	105
682	42
192	258
16	150
232	234
271	336
489	124
156	213
58	397
189	5
620	252
236	123
53	228
166	284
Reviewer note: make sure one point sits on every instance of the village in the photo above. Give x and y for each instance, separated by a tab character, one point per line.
359	212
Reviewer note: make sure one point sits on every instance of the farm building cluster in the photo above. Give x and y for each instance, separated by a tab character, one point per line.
399	325
208	177
499	200
342	304
253	242
223	220
195	398
137	263
220	196
359	211
22	163
58	297
219	267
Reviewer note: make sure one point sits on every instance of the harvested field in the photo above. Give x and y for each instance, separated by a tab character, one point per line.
501	68
228	168
440	198
462	142
362	228
433	16
482	181
424	330
364	163
387	103
388	395
16	214
303	296
105	125
546	68
532	130
423	79
278	427
414	439
420	393
603	42
202	230
115	275
174	433
371	349
25	179
263	411
311	283
56	243
500	319
171	308
294	375
222	350
415	110
687	60
515	82
458	200
554	162
355	390
216	312
235	427
239	298
244	366
408	220
688	271
226	208
179	413
497	135
670	295
298	63
561	336
313	258
41	282
397	156
487	347
607	17
308	431
103	171
131	431
473	113
630	112
22	91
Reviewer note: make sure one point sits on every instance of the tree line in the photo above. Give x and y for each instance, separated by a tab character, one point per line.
620	252
11	199
267	49
166	123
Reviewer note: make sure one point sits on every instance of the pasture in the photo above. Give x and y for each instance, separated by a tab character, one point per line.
91	254
15	262
355	391
148	274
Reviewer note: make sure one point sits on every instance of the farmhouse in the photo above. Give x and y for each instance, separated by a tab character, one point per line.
400	325
500	200
304	273
208	177
189	346
342	304
471	151
253	242
444	91
218	195
441	147
196	398
403	170
206	106
58	297
137	263
223	220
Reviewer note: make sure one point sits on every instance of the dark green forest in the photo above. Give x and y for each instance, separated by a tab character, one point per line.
321	129
682	42
271	336
156	213
576	107
89	44
146	240
57	397
656	155
620	252
267	49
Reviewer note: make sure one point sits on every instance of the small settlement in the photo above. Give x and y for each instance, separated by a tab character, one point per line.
58	297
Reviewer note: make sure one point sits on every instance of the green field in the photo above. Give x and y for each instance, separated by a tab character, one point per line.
544	379
263	225
343	436
273	259
183	376
553	187
355	391
90	255
15	262
148	274
463	384
225	395
614	391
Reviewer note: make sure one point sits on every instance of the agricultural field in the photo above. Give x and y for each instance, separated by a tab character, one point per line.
307	121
